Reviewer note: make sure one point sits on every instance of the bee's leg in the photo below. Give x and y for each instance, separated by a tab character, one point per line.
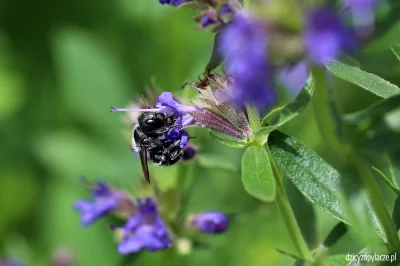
166	129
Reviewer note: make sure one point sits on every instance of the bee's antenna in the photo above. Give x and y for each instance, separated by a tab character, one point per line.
184	85
144	100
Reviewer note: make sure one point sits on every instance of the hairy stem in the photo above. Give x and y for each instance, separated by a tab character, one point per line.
286	211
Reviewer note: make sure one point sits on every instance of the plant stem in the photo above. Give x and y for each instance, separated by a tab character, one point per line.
378	205
286	211
324	114
387	181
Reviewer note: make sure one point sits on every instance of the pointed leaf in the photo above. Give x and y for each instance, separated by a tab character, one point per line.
396	50
396	213
216	56
228	141
336	260
257	176
291	110
262	135
337	232
314	177
365	80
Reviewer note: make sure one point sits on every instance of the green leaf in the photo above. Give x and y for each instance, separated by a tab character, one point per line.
396	213
257	176
396	50
262	135
283	252
336	260
365	80
386	179
373	112
337	232
291	110
374	129
216	56
305	214
228	141
254	117
314	177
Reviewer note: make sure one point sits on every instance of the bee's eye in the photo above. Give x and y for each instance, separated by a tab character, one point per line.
154	122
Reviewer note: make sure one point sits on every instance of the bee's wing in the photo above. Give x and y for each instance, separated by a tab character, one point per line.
143	161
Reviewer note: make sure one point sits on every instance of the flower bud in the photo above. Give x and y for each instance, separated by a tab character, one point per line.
211	222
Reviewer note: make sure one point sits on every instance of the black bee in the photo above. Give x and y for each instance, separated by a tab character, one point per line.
147	141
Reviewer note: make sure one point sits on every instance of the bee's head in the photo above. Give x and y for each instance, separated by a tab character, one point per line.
150	121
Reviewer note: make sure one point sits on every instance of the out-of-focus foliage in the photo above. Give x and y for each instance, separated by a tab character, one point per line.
63	63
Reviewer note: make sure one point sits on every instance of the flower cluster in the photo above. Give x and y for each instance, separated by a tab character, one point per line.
212	13
10	263
144	227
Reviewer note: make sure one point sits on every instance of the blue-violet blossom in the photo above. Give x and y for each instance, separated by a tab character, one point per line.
10	263
145	229
325	37
173	2
104	201
244	43
362	11
211	222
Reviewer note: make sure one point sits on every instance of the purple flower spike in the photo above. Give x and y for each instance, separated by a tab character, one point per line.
211	222
206	21
245	43
363	14
10	263
173	2
225	9
189	152
294	77
325	37
145	229
169	105
105	201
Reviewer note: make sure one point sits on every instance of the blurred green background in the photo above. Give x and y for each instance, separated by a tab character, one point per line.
63	63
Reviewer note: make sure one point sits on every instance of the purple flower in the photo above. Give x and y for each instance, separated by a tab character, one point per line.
325	37
225	9
173	2
10	263
210	17
245	43
145	229
104	201
363	14
189	152
294	77
206	20
211	222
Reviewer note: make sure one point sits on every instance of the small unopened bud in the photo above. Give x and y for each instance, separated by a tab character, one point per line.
63	257
189	152
211	222
184	246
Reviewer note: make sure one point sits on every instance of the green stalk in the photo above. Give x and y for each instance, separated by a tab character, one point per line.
324	114
286	211
378	205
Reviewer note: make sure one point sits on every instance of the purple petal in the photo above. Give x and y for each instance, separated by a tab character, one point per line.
325	37
211	222
294	77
